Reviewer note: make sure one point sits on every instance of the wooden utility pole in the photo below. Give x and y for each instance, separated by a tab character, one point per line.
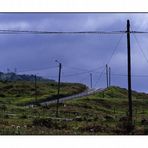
90	80
130	114
107	75
35	85
58	92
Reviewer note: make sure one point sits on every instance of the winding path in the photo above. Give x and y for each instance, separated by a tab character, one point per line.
61	100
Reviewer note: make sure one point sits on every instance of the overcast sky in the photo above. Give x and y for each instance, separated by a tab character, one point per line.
79	54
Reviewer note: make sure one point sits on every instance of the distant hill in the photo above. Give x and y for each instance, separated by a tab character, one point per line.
118	92
11	76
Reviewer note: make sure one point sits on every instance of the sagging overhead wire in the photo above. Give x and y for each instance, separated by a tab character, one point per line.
125	75
109	60
100	76
113	52
13	31
38	69
76	74
133	75
8	31
101	66
139	47
85	70
80	73
67	75
139	32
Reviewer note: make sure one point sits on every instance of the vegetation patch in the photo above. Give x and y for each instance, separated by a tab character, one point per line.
103	113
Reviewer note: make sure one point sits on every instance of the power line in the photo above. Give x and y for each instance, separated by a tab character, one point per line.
86	70
40	69
76	74
138	32
138	44
76	68
118	42
67	75
82	80
80	73
100	76
7	31
125	75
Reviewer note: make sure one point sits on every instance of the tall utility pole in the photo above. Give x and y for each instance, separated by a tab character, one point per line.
58	93
35	85
90	80
130	114
107	75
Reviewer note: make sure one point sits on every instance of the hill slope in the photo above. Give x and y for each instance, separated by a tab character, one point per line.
98	114
25	92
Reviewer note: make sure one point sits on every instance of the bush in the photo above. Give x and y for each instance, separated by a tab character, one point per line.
93	128
109	118
49	123
2	95
43	122
18	95
124	126
3	107
6	116
23	116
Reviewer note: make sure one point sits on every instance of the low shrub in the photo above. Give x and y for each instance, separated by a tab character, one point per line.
23	116
47	122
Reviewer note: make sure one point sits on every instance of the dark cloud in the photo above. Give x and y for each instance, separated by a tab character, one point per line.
78	53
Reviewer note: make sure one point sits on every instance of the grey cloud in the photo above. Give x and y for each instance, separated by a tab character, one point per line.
81	51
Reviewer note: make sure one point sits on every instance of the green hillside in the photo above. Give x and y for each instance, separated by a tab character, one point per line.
23	92
103	113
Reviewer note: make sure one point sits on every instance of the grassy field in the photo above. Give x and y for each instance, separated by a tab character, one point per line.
99	114
23	92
